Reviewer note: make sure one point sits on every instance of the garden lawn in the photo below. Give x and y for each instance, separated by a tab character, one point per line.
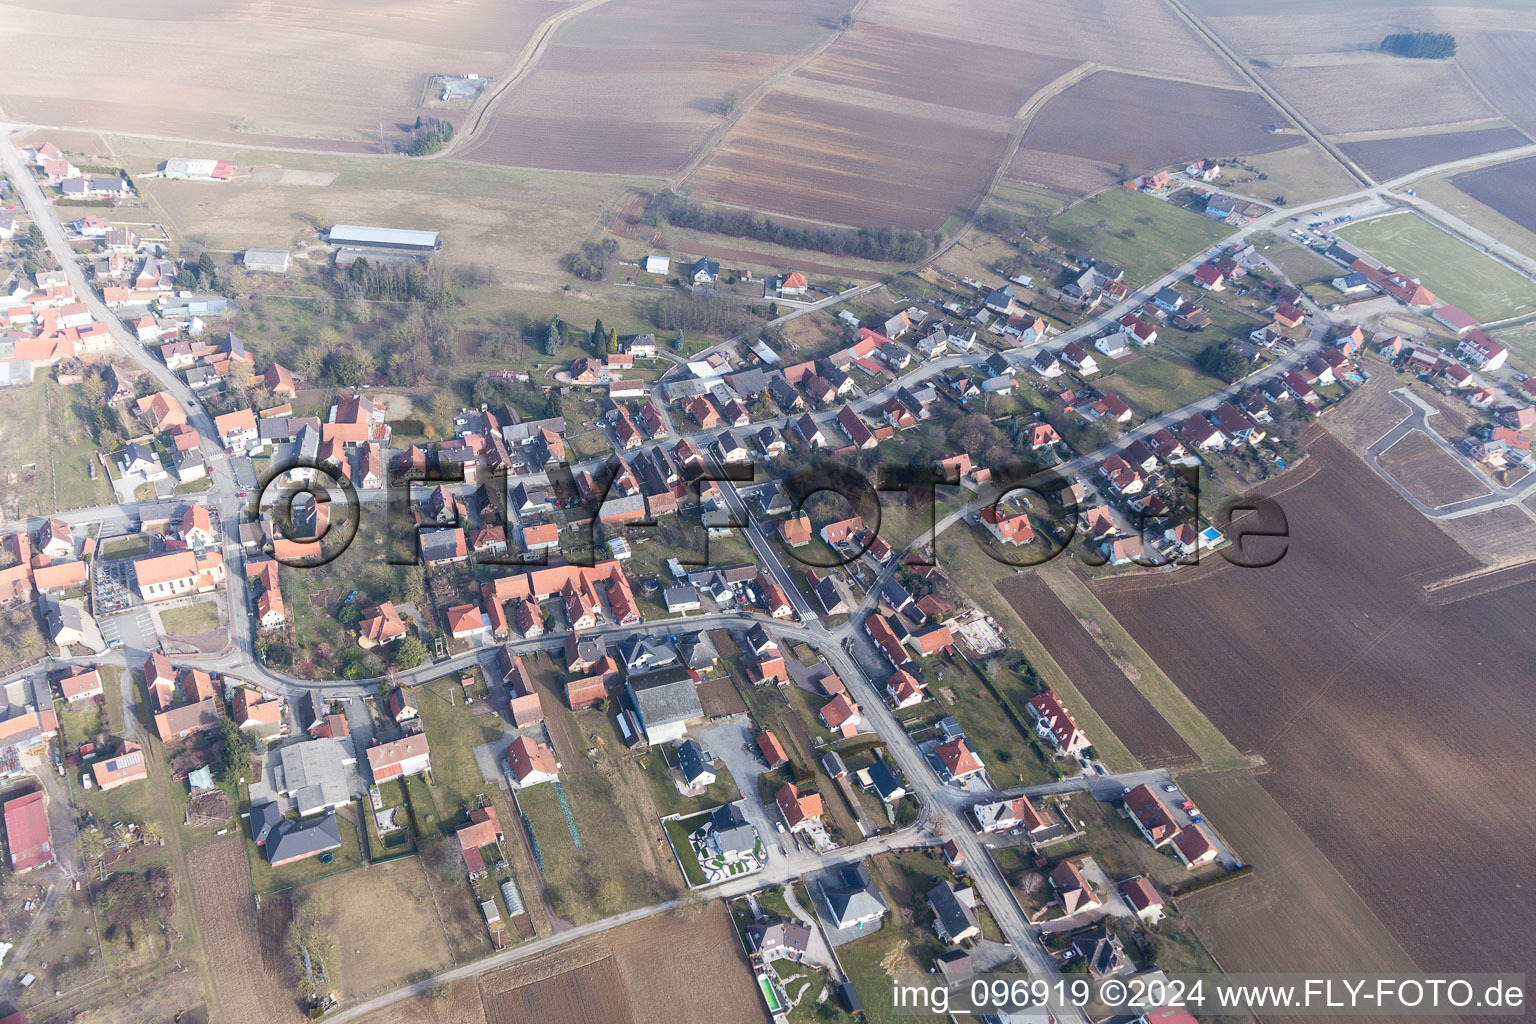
1146	236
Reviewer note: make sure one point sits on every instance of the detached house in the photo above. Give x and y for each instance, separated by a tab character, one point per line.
1055	724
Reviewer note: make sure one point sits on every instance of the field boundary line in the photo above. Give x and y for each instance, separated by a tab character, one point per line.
1272	94
715	137
1194	728
1114	753
1487	100
521	67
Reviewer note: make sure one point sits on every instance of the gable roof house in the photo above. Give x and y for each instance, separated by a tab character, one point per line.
1151	815
1054	723
851	898
953	921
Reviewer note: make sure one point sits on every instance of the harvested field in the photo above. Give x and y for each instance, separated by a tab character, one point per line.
986	78
1500	536
298	75
1383	159
1429	473
1148	123
462	1005
1354	722
385	923
1130	34
1321	26
1508	188
1503	64
663	958
845	164
787	27
1151	739
1372	409
1368	95
577	984
1252	924
246	990
582	110
644	971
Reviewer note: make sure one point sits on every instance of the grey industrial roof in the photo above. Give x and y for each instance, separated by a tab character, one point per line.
313	770
353	234
662	700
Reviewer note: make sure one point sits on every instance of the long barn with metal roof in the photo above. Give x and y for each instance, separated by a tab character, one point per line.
392	239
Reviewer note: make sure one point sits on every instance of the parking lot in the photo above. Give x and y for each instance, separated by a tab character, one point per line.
132	631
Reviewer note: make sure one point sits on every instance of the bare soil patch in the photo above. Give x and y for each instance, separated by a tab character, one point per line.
1132	34
979	76
248	991
1388	158
720	698
1371	411
1503	64
644	971
846	164
1251	924
1500	536
1508	188
1151	739
1368	96
1430	475
294	75
1337	667
565	987
1147	123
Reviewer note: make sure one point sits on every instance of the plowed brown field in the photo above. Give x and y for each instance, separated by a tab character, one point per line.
1110	118
846	164
979	76
248	993
1397	730
1388	158
1129	715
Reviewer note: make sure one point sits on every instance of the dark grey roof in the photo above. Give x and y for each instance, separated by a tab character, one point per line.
643	654
953	916
747	383
697	651
264	818
678	595
887	785
302	838
758	637
437	545
665	698
895	594
1168	294
690	761
833	763
830	597
853	896
730	830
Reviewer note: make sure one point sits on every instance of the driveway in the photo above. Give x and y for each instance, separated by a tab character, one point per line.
732	741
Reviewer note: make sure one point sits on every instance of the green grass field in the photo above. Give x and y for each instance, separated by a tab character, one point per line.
1146	236
1522	343
1451	269
192	619
1160	381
